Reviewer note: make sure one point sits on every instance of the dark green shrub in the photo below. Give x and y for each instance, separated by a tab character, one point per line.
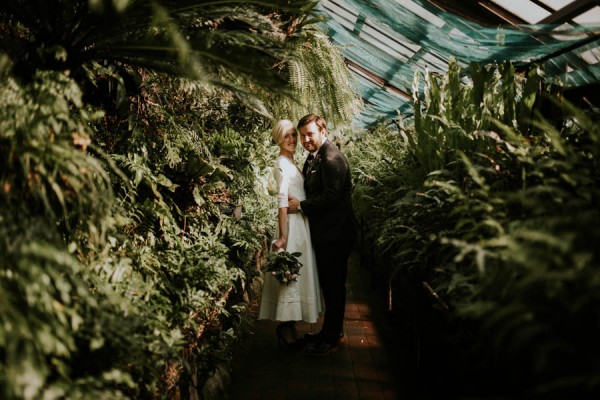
488	233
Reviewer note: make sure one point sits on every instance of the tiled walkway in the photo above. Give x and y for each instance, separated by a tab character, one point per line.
369	366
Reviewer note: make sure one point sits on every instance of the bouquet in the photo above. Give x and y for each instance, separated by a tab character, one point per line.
284	266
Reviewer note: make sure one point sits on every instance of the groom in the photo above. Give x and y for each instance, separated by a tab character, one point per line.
328	207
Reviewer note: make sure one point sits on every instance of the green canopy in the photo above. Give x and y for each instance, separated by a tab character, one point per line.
385	42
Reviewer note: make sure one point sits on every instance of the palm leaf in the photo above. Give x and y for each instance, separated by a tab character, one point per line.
209	40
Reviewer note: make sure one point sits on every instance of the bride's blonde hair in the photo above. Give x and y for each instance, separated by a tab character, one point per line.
280	128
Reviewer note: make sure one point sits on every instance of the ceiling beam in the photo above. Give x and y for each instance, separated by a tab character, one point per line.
377	80
569	11
543	5
470	10
502	13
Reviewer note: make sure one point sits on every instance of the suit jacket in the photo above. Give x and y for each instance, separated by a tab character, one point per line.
328	204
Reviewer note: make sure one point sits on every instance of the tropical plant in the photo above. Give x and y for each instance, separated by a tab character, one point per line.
484	239
135	176
115	252
455	116
320	84
121	237
193	178
206	40
50	300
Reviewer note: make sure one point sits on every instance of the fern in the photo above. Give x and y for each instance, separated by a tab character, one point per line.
491	200
320	84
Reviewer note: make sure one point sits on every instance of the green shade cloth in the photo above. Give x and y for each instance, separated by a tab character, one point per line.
392	39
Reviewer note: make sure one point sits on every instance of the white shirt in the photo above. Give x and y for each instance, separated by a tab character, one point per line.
315	153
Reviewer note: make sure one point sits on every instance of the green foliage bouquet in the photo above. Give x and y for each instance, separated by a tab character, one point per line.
284	266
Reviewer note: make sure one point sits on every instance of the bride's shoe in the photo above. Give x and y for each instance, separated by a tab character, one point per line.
292	327
284	341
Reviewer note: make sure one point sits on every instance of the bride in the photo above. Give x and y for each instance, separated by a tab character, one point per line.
299	301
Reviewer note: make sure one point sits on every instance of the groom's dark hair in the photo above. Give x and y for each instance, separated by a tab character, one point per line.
307	119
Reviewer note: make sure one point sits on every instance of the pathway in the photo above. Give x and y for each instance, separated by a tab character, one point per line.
369	366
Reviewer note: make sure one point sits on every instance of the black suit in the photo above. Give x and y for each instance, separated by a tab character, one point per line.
328	206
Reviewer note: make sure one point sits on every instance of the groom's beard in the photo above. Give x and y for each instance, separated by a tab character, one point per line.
310	147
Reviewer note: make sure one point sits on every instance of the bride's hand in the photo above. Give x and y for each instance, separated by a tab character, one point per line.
280	243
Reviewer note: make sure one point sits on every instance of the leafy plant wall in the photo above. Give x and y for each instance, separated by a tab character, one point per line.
481	212
121	244
134	202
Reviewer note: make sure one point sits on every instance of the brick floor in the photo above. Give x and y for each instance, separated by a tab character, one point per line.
369	366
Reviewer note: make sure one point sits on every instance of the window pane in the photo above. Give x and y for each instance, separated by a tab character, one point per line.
557	4
591	56
591	16
526	10
421	12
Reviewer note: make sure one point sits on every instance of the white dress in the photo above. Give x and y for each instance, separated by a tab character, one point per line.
300	300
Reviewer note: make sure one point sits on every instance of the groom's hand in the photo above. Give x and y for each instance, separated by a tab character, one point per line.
293	204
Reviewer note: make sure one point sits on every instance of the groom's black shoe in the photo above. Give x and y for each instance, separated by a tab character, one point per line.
312	337
320	349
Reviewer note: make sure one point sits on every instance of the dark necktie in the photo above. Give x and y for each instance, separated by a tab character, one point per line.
307	164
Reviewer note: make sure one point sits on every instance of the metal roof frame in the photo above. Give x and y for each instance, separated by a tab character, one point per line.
381	58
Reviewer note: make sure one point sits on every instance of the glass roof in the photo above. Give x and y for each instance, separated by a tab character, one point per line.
385	42
528	11
557	4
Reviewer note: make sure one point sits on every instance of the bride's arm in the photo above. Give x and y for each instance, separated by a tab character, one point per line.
282	176
281	242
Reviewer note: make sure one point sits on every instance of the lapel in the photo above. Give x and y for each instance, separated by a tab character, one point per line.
310	164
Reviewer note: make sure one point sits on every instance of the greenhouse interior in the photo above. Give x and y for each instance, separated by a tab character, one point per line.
149	215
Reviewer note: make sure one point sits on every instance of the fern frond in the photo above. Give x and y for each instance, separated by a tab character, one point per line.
320	83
